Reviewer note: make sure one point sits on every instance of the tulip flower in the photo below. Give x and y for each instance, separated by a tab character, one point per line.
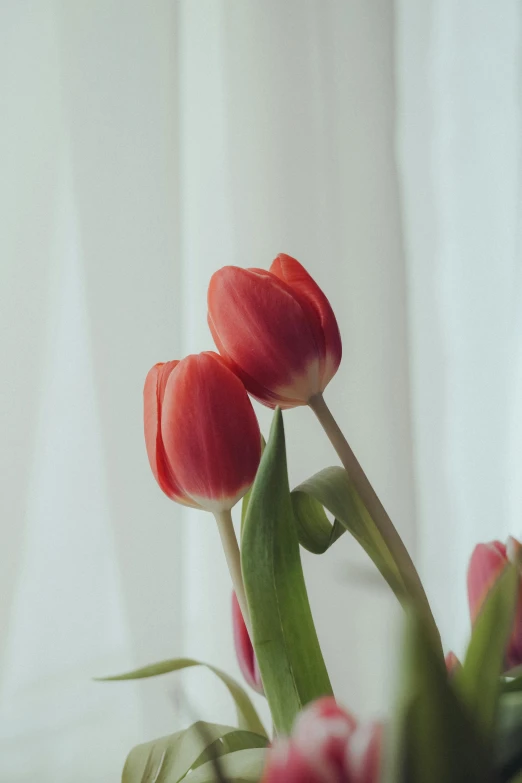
245	654
201	432
487	563
276	329
203	441
326	746
278	333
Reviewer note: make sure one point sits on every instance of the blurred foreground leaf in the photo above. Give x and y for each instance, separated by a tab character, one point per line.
479	677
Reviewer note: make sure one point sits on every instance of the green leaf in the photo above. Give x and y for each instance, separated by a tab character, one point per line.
243	766
285	639
316	532
479	677
169	759
247	716
435	738
229	743
246	498
332	489
508	740
144	763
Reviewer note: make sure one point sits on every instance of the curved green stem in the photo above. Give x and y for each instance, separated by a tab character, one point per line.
232	554
374	506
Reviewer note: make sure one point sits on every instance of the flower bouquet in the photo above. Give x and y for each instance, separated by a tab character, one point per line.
278	341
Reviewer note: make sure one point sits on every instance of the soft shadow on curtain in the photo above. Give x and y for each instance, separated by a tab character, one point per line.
143	146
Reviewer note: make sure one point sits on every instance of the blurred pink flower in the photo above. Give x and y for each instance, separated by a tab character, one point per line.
327	746
487	563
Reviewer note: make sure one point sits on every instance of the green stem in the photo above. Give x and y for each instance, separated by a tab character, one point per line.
233	558
373	505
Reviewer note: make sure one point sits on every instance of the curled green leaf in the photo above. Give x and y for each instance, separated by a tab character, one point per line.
248	718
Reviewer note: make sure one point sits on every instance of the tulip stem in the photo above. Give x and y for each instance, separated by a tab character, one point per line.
232	554
373	505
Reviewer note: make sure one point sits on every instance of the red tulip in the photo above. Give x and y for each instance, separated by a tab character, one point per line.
326	746
487	563
244	650
201	432
276	330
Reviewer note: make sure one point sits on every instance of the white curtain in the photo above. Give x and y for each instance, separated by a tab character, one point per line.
145	144
459	131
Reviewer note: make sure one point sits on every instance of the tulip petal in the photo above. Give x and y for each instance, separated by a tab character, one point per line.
244	649
323	729
363	756
287	764
314	300
260	326
486	564
152	396
453	664
210	432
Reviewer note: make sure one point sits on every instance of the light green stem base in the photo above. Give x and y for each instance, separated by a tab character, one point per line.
232	554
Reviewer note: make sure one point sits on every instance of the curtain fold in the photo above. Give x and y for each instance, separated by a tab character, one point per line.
459	145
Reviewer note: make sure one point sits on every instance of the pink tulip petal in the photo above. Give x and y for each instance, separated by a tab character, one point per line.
452	663
286	764
363	755
244	649
486	564
322	730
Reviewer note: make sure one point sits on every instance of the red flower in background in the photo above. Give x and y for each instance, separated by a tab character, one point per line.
327	746
245	654
487	563
202	435
276	330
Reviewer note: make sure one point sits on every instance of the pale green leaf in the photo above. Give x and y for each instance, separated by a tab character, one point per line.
169	759
332	489
145	762
243	766
248	718
229	743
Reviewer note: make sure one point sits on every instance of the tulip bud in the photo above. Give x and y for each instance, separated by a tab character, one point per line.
276	330
245	654
317	751
202	435
452	663
323	729
487	563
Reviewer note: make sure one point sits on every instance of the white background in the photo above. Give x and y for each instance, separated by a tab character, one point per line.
142	146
